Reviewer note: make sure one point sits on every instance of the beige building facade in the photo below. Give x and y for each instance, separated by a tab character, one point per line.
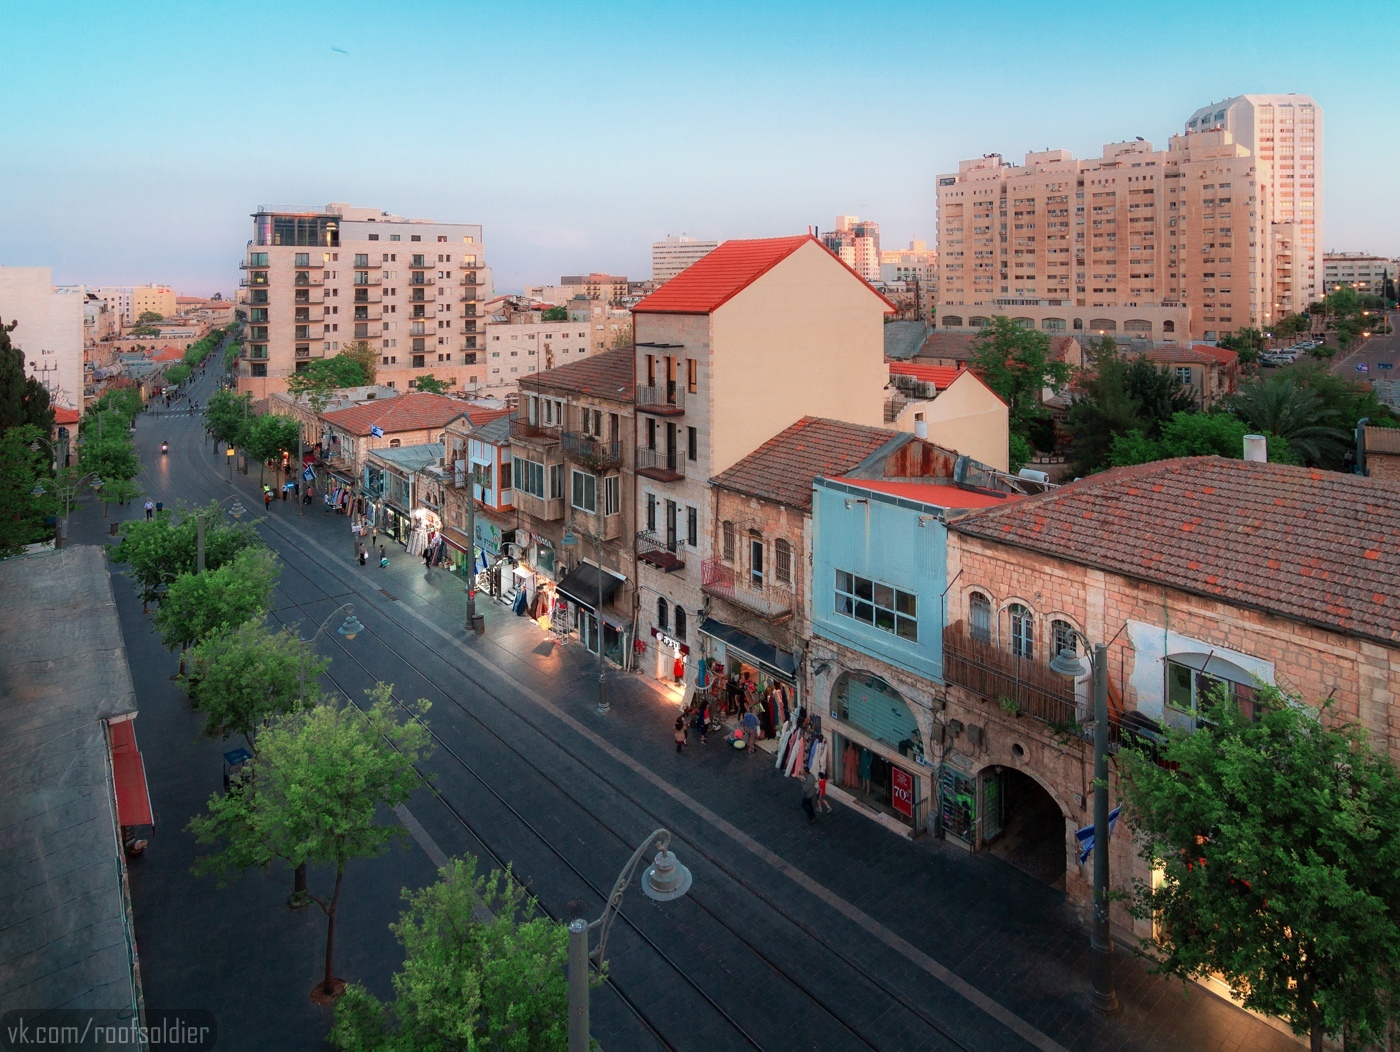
129	302
1358	270
318	281
1284	133
49	330
1168	245
673	255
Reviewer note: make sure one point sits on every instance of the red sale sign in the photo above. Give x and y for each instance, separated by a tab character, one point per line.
902	792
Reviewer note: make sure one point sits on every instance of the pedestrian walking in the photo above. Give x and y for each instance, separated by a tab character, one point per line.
150	511
680	733
701	723
750	722
267	498
809	795
160	506
374	537
823	805
383	557
364	555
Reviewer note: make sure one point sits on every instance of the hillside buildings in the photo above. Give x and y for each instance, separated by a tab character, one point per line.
318	281
678	251
49	330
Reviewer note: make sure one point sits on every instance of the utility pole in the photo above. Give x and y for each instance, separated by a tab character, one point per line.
471	548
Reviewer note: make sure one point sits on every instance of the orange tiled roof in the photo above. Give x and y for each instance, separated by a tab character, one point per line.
417	411
782	469
1310	545
1222	355
612	374
1172	353
169	354
713	280
938	375
65	416
942	494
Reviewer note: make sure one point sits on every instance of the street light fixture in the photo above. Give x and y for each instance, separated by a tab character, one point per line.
570	539
68	491
1067	662
664	880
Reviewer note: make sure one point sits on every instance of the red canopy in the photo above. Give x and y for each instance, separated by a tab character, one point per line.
129	773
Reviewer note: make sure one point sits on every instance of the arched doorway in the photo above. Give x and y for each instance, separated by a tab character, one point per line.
1023	825
877	749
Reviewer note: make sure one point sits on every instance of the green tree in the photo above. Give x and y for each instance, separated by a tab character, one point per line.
431	384
118	491
122	402
227	414
269	436
1016	364
197	605
24	517
242	680
1248	345
1282	406
482	970
1120	395
1194	435
323	376
148	316
320	783
1278	840
23	399
111	456
623	337
143	330
1291	325
366	355
1018	452
163	548
177	374
555	314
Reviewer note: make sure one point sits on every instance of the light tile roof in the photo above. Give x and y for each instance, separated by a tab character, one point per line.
714	279
416	411
1310	545
1382	439
410	458
496	432
168	354
1176	353
782	469
938	375
611	374
1223	355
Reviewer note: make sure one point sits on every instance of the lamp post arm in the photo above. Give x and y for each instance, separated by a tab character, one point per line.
301	669
661	841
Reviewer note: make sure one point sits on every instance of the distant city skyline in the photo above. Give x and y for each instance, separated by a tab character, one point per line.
139	146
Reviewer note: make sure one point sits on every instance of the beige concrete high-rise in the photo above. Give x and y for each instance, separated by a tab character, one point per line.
408	287
1284	132
678	251
1161	244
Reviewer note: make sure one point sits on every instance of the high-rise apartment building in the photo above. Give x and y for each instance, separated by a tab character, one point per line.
678	251
856	242
1163	244
129	302
1285	133
319	280
48	329
1360	271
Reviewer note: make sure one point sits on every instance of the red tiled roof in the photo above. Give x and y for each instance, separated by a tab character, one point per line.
168	354
1222	355
612	374
782	469
714	279
944	494
938	375
956	345
416	411
65	416
1172	353
1310	545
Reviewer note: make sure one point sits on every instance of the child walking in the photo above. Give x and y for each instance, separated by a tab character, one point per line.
823	804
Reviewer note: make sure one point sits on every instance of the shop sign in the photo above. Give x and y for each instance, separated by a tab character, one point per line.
664	640
902	792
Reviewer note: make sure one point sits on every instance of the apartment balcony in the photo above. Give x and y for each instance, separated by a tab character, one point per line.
306	315
772	602
655	550
593	453
362	296
363	313
661	400
467	297
365	280
544	510
471	280
303	353
660	465
418	281
305	298
256	280
422	331
462	479
303	332
537	435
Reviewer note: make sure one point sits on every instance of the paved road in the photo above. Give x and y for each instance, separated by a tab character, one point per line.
1375	354
838	936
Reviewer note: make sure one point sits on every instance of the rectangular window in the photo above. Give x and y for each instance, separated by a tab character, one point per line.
505	475
782	561
691	378
530	478
651	512
1183	375
878	605
612	495
585	492
692	526
556	481
756	563
692	443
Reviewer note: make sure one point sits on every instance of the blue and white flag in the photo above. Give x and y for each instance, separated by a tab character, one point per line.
376	431
1361	367
1085	836
307	475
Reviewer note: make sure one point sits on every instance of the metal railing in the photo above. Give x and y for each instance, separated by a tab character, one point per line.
591	451
648	541
773	602
661	398
661	465
539	433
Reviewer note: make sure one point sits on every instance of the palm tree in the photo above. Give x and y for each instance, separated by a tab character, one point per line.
1281	407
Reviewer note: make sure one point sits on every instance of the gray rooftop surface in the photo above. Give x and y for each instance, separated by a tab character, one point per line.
904	338
65	940
410	458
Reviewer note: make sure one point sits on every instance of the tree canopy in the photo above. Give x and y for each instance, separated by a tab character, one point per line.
1278	841
197	605
431	384
482	970
23	399
324	375
555	314
150	316
1290	407
269	436
25	518
228	414
1015	362
1120	395
1194	435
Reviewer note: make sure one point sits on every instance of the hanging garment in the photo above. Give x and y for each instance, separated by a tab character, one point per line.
866	759
818	759
850	764
783	741
794	764
518	607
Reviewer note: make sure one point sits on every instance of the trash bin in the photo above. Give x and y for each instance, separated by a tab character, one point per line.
479	623
113	527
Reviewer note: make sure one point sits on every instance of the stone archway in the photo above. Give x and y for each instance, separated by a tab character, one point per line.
1024	824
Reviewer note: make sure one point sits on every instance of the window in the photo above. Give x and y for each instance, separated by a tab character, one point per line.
756	562
979	611
585	492
1022	631
727	531
1062	634
880	605
612	495
1183	375
530	477
692	443
691	380
1189	690
661	612
692	526
782	561
556	481
680	623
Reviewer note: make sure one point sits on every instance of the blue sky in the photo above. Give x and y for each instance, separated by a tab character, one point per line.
139	136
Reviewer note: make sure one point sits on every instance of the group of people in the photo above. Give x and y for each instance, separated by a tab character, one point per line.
363	551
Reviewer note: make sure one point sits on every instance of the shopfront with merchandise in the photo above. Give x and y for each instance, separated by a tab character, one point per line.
878	751
578	597
741	668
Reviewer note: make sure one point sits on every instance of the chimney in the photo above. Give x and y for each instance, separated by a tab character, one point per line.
1256	448
920	426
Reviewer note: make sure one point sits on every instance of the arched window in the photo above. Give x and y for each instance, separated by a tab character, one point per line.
1053	324
1079	323
1137	325
979	611
661	609
1022	631
1024	323
1103	325
979	322
952	321
393	443
1063	639
727	537
680	623
1169	326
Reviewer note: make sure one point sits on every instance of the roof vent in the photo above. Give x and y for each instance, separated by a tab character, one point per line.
960	468
1256	449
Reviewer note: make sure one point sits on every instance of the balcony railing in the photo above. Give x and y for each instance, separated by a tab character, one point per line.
662	400
1020	686
463	479
419	281
655	550
660	465
769	601
535	434
894	405
593	452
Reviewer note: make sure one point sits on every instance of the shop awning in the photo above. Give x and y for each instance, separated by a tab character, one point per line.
129	773
583	583
457	539
765	655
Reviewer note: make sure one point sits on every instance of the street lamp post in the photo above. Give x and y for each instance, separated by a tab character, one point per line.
236	511
68	491
570	539
1104	996
665	879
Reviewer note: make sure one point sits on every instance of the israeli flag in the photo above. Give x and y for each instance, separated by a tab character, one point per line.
376	431
1361	367
308	475
1085	836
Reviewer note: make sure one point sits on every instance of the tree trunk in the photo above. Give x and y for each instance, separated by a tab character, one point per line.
328	986
1315	1038
299	882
